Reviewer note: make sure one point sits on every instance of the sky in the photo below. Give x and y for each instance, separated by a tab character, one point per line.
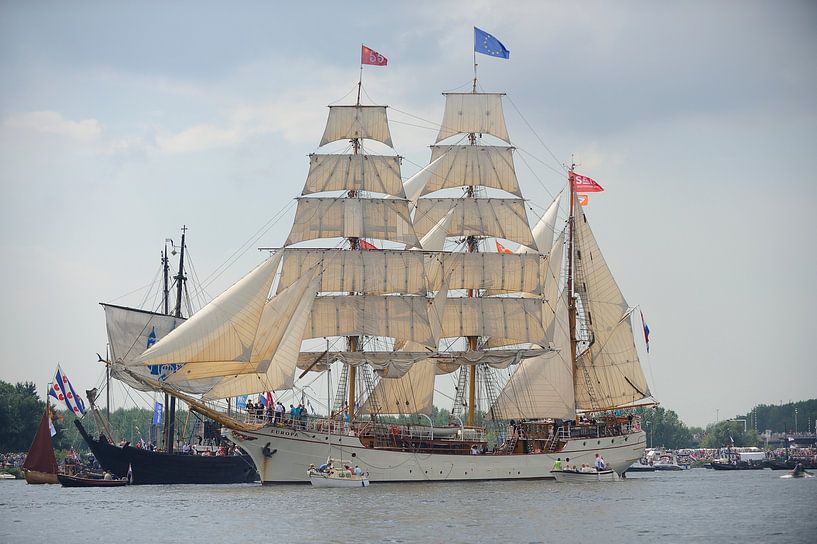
120	122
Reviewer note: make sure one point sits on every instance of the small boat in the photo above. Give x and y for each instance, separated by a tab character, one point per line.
798	472
78	481
667	461
40	466
641	466
577	476
336	478
736	465
7	476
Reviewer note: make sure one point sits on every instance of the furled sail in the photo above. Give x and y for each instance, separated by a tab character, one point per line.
476	165
130	332
479	113
542	386
611	362
350	122
369	272
383	219
395	316
411	393
225	329
373	173
516	318
500	217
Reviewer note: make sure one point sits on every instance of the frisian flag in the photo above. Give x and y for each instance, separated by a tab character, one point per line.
62	391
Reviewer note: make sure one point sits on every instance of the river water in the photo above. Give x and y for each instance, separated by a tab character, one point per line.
690	506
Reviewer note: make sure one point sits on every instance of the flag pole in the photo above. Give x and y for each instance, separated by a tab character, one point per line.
360	80
474	89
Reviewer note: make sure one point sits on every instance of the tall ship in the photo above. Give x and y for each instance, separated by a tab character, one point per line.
412	283
130	332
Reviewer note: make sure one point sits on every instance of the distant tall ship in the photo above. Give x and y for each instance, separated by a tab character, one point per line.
415	283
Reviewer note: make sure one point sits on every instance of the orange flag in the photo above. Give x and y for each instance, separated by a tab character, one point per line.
502	249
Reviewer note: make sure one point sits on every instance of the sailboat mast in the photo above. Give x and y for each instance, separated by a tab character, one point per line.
571	304
180	279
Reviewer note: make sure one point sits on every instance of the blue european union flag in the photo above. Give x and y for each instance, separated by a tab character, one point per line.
488	45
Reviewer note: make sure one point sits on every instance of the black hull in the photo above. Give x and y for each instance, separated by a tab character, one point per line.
155	468
74	481
789	465
739	466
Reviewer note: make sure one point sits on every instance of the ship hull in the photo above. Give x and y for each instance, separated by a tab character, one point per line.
282	456
37	477
152	468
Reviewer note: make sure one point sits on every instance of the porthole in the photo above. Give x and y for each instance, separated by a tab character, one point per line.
409	471
519	473
354	454
584	443
626	438
441	472
598	441
612	440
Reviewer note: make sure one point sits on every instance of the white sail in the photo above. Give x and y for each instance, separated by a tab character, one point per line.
500	217
279	373
130	332
611	362
516	318
411	393
225	329
542	386
350	122
415	185
372	173
383	219
479	113
434	239
546	226
394	316
476	165
496	271
369	272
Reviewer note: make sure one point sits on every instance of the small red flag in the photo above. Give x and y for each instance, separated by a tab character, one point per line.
370	56
363	244
584	184
502	249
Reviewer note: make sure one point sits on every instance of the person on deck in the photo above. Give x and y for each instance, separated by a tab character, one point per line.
600	462
557	464
358	471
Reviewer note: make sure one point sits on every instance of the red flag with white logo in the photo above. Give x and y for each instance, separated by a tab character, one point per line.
583	184
370	56
502	249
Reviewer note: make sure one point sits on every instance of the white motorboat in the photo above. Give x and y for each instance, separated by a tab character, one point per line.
578	476
336	478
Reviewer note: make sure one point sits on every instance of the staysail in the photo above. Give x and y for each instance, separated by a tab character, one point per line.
609	370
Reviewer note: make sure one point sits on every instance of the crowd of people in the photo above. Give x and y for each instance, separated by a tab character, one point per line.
277	414
12	460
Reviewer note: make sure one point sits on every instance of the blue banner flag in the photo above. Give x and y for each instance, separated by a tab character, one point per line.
488	45
157	414
241	402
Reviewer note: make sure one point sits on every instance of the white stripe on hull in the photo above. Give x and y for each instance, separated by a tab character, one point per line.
295	450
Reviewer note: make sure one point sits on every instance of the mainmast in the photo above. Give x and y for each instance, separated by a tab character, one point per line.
471	243
571	298
354	245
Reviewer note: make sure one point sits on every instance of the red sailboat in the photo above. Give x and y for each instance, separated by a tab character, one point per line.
40	466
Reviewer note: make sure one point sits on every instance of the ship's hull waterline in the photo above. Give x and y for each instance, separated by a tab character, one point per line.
282	455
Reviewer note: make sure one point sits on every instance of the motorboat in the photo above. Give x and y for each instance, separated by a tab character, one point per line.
585	476
336	478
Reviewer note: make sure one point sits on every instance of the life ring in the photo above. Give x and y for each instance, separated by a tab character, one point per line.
394	430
